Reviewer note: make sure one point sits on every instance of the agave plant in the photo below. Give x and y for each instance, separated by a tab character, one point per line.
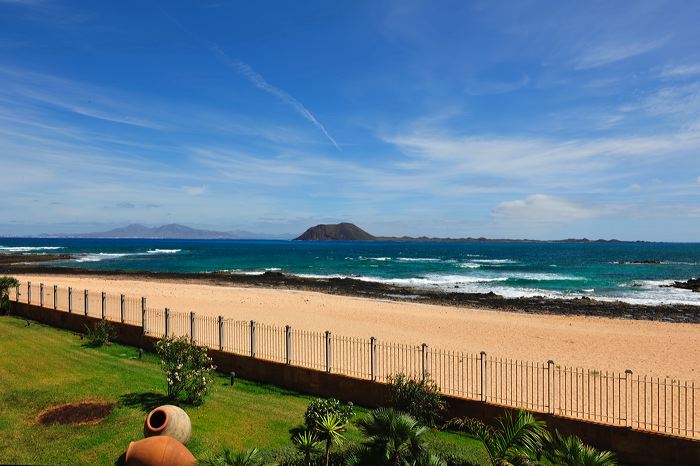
330	429
516	440
230	458
393	437
308	444
571	451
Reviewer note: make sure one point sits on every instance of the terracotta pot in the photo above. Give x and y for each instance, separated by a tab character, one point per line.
168	420
158	451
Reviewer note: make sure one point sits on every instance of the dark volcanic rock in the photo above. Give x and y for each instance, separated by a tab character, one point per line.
693	285
337	232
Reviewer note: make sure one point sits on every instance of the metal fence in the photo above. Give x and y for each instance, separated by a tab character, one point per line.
617	398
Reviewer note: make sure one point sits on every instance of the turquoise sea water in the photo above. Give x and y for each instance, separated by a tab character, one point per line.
597	270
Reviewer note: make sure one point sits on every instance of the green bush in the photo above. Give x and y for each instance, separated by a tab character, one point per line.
100	334
419	398
321	407
5	284
188	369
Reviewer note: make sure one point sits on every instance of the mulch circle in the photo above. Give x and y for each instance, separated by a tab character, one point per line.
86	412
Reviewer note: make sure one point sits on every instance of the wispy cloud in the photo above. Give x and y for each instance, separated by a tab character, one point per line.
541	209
606	54
261	83
678	71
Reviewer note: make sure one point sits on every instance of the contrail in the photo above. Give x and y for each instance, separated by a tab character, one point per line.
261	83
256	79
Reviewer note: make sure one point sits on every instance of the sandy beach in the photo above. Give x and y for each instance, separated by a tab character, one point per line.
653	348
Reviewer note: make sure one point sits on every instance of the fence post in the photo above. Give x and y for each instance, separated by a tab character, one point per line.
550	383
482	359
329	354
85	298
122	309
423	360
41	294
221	333
70	299
193	328
373	358
628	398
144	327
288	344
167	322
55	296
252	338
17	293
29	292
104	305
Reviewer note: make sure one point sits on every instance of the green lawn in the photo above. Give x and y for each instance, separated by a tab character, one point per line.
41	367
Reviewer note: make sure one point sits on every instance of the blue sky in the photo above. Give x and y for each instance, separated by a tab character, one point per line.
519	119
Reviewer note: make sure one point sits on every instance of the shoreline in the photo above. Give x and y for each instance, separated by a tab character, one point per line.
652	348
584	306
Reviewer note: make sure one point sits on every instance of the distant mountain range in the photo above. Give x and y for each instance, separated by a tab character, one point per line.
351	232
171	231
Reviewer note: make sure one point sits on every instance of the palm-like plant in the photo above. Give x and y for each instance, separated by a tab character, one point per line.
516	441
308	444
230	458
571	451
393	437
330	429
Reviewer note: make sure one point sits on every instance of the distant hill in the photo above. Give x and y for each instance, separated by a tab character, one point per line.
350	232
337	232
171	231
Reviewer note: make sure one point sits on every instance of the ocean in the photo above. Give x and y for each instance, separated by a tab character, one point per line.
604	271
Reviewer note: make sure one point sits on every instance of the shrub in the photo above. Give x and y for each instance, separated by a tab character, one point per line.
321	407
188	369
100	334
5	284
419	398
229	458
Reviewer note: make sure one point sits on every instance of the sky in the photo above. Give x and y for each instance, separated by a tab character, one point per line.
528	119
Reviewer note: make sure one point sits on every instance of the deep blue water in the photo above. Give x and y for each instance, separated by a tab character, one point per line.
600	270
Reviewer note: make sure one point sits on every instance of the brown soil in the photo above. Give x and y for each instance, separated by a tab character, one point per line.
87	412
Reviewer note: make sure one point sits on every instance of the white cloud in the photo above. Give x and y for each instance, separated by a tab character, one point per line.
195	190
606	54
540	209
678	71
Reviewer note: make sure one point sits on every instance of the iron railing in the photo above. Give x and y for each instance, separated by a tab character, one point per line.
616	398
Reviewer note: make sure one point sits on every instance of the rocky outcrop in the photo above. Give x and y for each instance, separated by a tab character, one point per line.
693	285
336	232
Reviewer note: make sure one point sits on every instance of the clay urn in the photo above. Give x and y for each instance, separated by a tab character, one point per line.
158	451
168	420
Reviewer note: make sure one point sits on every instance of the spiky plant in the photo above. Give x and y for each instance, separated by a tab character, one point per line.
393	437
515	441
571	451
308	445
330	429
231	458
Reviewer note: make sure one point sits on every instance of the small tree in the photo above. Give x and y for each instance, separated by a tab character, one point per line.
392	438
517	440
321	407
5	284
188	369
307	444
330	429
419	398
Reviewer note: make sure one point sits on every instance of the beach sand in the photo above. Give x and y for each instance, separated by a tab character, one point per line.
647	348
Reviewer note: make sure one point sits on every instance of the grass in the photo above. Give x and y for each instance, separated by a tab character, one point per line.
41	367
